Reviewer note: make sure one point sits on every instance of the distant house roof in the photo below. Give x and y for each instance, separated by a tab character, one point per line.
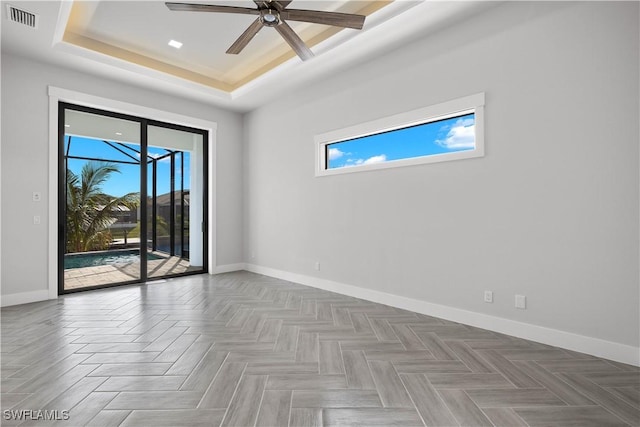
165	199
118	208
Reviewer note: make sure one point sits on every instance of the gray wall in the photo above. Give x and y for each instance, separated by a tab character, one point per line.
551	211
25	148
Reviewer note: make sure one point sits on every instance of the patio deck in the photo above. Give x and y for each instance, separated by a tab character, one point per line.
84	277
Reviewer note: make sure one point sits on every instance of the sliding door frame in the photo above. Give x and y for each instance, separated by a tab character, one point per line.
144	124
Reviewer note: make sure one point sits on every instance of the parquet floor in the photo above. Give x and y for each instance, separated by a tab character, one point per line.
241	349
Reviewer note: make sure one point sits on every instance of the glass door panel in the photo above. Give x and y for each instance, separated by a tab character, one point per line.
100	200
132	199
175	189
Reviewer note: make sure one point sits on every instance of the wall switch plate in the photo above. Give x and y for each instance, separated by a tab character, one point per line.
521	301
36	196
488	296
36	219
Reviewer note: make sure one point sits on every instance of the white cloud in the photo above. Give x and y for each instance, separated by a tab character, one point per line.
465	122
371	160
375	159
462	135
335	153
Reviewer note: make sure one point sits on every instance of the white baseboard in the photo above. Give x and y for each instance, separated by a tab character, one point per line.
227	268
567	340
24	298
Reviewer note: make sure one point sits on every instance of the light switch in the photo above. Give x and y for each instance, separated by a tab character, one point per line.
37	196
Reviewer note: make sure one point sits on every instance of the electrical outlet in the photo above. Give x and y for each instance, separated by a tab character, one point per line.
488	296
521	302
317	265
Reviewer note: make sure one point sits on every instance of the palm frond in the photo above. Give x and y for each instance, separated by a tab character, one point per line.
90	211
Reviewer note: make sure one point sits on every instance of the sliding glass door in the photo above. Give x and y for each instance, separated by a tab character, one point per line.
174	210
132	199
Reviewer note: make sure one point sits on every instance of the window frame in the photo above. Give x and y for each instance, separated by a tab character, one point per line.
433	113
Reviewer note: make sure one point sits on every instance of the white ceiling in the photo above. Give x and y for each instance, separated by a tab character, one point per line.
127	41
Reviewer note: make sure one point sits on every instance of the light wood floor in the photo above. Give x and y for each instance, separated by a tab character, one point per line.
241	349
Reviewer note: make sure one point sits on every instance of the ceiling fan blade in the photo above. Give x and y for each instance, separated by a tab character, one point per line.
198	7
245	37
294	41
283	3
347	20
279	5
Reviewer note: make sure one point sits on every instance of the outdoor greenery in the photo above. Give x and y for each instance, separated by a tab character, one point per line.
161	224
90	211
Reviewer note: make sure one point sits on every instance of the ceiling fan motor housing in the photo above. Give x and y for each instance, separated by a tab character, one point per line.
269	17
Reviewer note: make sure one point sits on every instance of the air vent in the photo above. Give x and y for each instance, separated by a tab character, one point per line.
22	16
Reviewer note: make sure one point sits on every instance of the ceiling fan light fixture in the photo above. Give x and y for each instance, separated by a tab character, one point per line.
269	17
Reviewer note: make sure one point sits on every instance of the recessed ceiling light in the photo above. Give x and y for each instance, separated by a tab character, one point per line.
118	133
67	126
176	44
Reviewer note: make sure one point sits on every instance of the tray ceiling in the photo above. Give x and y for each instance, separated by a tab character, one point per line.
139	32
128	41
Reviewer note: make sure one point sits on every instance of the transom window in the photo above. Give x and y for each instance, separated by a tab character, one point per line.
447	131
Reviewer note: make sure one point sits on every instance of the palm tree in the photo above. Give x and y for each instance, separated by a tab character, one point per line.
90	211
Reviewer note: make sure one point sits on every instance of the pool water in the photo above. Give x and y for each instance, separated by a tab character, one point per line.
104	258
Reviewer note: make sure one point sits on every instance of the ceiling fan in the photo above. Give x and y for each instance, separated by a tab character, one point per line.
273	13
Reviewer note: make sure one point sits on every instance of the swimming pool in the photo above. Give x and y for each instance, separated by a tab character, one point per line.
104	258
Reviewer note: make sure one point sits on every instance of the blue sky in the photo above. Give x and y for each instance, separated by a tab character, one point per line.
128	180
444	136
